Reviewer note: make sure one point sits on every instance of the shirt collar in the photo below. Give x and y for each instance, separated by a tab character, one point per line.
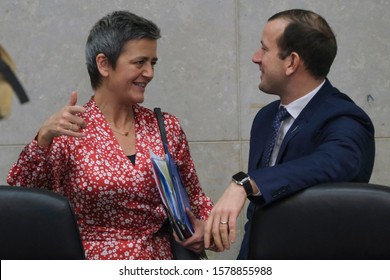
296	107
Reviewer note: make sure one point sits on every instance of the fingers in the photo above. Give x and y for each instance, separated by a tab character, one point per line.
193	244
73	109
71	118
70	122
73	127
220	232
65	122
207	231
73	98
221	225
216	233
232	229
192	217
224	233
70	129
196	241
208	238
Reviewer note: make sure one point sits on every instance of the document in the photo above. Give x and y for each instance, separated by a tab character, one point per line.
173	194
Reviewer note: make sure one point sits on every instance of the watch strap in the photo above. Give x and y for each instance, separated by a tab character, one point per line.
247	187
243	180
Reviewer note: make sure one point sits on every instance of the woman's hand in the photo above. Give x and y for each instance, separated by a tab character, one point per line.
196	241
64	122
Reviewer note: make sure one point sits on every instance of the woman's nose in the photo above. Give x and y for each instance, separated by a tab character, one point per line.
148	71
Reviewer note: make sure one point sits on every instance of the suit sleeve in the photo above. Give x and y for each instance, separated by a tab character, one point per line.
341	149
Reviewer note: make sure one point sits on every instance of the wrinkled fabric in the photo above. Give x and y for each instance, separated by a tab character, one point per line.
117	204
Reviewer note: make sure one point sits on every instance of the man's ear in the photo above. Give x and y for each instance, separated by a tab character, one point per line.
103	64
293	61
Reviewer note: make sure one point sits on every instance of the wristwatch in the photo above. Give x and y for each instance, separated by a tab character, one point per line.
243	179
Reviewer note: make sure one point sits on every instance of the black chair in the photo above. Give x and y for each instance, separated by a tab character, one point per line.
37	225
327	221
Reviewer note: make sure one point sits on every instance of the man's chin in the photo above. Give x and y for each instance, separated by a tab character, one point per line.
264	89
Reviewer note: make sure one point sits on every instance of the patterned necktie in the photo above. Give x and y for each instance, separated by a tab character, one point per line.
280	116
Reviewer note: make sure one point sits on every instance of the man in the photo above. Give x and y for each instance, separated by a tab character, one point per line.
323	136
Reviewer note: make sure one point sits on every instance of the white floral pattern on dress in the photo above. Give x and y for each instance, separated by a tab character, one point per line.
117	204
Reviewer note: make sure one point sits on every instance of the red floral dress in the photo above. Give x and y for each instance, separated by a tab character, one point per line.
117	204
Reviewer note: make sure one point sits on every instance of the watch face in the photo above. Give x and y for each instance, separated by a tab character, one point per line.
240	176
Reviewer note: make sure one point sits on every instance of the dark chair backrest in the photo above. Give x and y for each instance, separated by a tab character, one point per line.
37	224
327	221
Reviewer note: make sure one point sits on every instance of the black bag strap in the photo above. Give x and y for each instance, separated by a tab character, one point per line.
13	81
161	126
179	252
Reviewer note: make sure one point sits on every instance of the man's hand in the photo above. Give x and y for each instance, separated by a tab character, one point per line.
221	225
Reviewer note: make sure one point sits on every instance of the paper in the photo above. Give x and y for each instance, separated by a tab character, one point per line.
173	194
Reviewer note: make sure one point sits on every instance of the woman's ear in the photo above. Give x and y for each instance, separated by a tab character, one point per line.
293	62
103	64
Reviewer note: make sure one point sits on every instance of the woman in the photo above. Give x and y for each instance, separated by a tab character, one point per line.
98	155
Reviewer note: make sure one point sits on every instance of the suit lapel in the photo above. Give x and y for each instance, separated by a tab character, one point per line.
260	133
305	116
298	125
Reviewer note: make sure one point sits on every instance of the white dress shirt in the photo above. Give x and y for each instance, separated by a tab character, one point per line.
294	109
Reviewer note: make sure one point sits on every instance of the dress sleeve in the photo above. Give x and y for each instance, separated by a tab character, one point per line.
200	203
39	167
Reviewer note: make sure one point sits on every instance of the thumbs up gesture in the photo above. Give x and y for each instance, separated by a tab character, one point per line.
64	122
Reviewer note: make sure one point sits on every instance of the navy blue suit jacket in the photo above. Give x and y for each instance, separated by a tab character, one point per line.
332	140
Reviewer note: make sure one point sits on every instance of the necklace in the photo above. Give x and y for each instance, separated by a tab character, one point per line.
121	133
125	133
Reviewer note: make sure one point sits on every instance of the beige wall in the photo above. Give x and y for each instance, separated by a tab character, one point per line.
204	75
